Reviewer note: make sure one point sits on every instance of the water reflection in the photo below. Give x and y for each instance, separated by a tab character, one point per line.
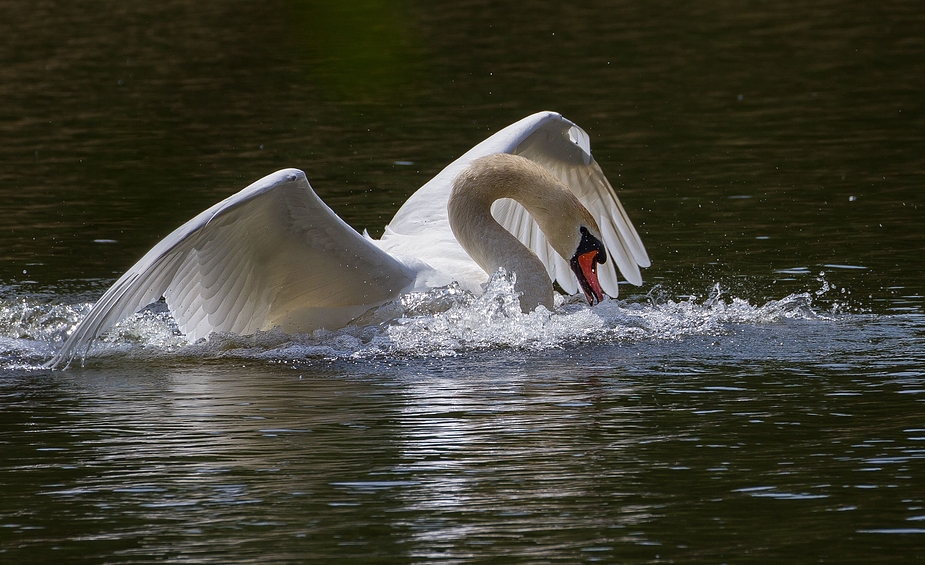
477	456
514	459
482	459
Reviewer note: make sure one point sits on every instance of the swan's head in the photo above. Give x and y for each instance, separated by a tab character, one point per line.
588	255
572	231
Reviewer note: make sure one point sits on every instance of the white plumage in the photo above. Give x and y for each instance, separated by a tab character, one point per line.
274	255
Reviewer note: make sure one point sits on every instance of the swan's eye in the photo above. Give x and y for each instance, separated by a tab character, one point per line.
591	243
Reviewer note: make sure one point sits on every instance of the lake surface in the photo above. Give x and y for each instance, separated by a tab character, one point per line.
759	399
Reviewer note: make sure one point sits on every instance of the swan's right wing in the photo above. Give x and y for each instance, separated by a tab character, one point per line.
564	150
271	255
573	164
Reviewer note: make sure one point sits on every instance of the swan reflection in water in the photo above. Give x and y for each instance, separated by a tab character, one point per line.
530	199
517	456
183	455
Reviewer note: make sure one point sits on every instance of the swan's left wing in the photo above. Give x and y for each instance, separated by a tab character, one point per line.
562	148
271	255
573	164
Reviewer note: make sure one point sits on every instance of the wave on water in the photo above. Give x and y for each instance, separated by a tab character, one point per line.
441	322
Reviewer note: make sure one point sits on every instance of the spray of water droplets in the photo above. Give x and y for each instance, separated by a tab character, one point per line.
440	322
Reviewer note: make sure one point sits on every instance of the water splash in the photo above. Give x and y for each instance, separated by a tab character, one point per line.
29	330
438	323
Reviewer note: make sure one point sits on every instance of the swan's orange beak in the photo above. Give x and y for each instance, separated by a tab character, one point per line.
587	265
584	264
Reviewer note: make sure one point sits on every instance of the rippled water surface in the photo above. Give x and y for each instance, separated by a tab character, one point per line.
758	399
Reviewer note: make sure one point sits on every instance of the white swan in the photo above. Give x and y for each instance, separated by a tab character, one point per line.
530	199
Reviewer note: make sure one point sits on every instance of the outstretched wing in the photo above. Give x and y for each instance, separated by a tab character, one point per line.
564	150
271	255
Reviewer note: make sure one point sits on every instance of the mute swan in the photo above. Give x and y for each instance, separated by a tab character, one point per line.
530	199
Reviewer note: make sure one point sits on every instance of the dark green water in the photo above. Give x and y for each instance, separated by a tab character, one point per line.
772	151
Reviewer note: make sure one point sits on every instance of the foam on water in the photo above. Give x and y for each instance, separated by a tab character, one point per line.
441	322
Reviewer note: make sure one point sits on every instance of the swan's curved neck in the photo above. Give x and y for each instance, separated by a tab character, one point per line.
486	241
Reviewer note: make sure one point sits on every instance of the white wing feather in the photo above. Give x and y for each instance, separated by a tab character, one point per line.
563	148
271	255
